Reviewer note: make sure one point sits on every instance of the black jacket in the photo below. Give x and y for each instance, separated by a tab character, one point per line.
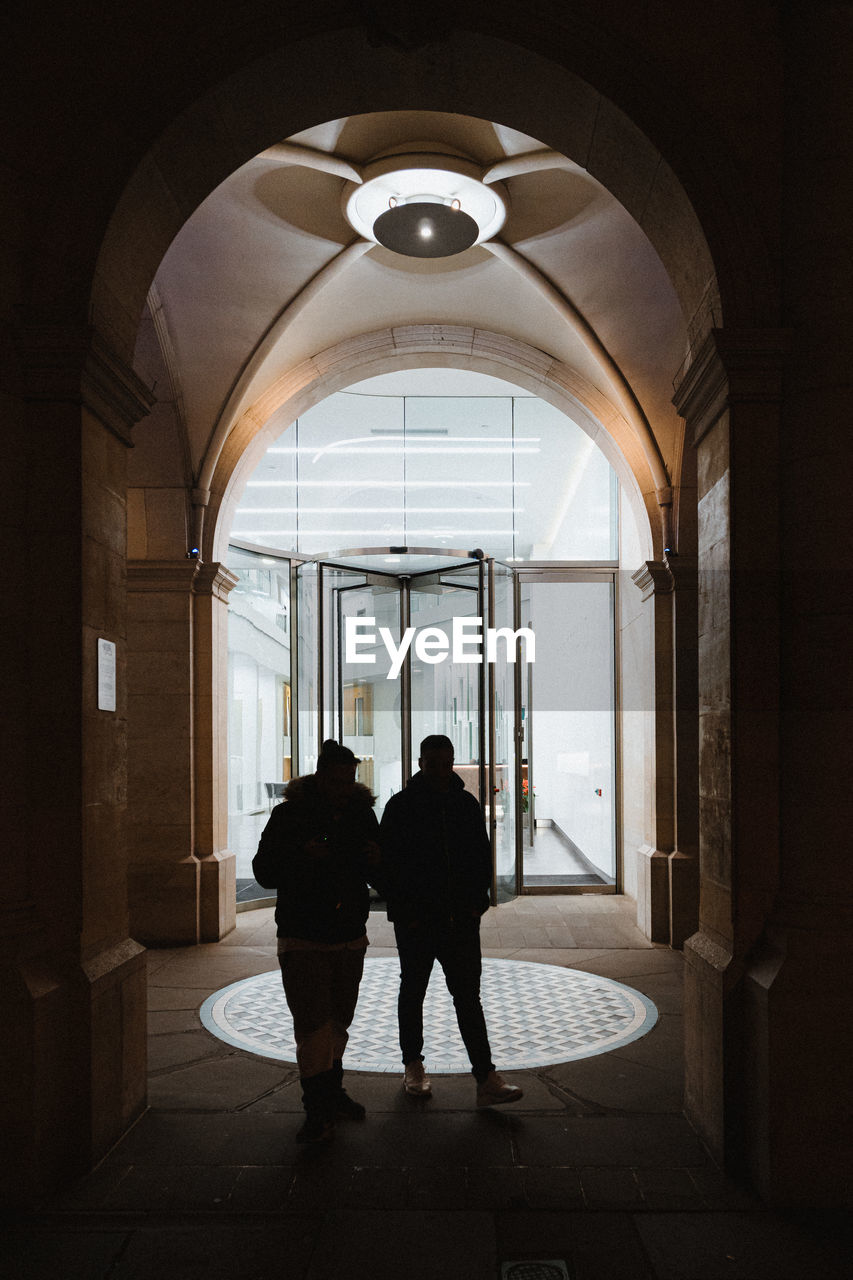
322	899
436	855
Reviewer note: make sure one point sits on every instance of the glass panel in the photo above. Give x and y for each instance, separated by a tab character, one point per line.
564	488
503	732
570	766
448	438
446	694
259	703
307	624
508	473
350	472
369	711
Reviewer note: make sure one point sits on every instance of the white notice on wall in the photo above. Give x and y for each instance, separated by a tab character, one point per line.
106	675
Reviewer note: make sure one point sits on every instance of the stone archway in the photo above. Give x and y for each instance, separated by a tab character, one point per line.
729	392
441	346
659	873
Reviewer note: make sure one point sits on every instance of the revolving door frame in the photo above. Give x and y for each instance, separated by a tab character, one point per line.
404	583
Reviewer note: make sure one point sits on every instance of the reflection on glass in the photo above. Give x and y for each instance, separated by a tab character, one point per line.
368	704
510	474
446	694
259	698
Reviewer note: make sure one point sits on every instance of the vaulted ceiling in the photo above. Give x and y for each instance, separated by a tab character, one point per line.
235	311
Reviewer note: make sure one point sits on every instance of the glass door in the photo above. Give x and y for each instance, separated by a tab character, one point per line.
568	765
368	711
447	677
260	730
387	657
506	662
348	631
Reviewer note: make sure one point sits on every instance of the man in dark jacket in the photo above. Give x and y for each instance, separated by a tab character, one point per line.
437	870
317	850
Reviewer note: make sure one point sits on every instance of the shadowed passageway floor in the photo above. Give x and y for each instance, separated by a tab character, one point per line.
596	1166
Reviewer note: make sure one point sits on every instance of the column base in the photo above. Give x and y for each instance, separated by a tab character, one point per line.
73	1064
797	1048
653	893
163	898
217	895
683	870
707	968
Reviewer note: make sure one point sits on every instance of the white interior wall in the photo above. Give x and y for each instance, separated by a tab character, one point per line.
573	723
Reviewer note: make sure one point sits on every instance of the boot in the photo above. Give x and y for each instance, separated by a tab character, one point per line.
318	1101
346	1108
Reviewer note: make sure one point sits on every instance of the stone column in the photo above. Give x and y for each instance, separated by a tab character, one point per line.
730	397
683	861
667	869
181	877
798	985
72	988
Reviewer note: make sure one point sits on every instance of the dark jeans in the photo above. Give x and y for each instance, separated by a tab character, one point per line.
321	989
456	947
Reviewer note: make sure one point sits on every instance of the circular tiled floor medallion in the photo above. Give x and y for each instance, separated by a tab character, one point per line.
537	1014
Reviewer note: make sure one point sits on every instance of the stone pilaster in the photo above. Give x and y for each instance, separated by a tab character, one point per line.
730	399
181	877
72	989
667	869
683	862
217	865
163	871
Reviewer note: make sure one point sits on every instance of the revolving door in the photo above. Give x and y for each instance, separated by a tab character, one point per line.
379	648
392	644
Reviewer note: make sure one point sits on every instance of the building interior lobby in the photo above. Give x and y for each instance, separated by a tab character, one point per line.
323	318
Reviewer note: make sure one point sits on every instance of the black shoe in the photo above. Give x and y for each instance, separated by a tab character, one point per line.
346	1108
316	1129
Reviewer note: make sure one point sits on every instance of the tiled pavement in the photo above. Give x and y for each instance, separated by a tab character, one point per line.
596	1166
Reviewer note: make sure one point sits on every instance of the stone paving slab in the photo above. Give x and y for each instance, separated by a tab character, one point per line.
416	1246
664	1141
180	1048
220	1251
229	1082
703	1246
615	1082
388	1242
600	1246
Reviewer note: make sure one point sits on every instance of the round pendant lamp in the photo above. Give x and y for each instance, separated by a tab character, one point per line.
425	229
424	205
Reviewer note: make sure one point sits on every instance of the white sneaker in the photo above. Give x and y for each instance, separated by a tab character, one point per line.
494	1090
416	1081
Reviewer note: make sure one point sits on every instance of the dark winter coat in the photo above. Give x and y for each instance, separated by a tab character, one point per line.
436	855
325	898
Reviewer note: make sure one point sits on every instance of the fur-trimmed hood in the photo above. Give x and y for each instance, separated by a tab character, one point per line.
305	788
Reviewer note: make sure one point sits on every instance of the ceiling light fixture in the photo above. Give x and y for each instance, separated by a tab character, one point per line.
425	205
362	484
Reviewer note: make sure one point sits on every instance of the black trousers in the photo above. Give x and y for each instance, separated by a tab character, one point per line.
456	947
321	989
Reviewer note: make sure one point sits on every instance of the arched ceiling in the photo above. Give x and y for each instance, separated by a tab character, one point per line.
233	317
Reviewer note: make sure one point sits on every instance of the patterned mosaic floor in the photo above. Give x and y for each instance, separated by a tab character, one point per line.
537	1014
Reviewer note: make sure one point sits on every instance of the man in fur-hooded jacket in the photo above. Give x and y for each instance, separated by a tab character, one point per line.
318	850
